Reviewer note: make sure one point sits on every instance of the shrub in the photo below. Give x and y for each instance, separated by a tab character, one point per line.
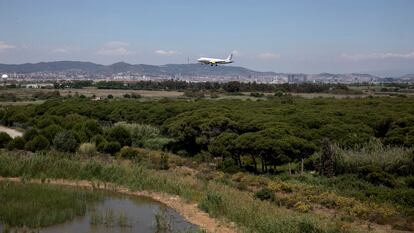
128	152
38	143
383	178
97	139
410	182
394	160
308	227
228	166
156	143
302	207
16	143
119	134
256	94
211	201
111	147
65	141
50	131
164	162
87	149
141	134
265	194
4	139
30	134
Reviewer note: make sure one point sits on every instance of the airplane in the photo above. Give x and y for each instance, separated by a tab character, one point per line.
216	61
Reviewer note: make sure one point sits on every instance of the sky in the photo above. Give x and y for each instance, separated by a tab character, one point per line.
301	36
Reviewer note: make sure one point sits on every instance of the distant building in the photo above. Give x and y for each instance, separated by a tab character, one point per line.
297	78
39	85
4	76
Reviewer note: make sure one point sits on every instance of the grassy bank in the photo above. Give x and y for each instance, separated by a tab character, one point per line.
219	200
34	205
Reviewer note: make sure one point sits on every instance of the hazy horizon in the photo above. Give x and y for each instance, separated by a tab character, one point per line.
372	36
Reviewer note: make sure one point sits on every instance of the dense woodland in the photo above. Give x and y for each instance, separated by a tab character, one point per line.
251	135
212	86
352	156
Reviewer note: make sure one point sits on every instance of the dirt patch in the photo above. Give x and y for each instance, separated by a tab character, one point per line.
12	132
189	211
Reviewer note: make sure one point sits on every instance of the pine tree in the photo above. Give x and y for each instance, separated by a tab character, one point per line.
327	167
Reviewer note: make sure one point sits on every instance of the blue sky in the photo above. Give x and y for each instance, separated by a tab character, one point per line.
310	36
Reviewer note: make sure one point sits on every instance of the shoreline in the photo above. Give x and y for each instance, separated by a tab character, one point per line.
188	211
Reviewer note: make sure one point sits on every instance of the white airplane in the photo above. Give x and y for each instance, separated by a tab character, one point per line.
215	61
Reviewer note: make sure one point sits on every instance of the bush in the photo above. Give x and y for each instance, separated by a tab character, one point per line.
119	134
111	147
4	139
87	149
164	162
156	143
97	139
50	131
410	182
394	160
30	134
65	141
141	134
256	94
16	143
211	201
265	194
128	152
228	166
38	143
383	178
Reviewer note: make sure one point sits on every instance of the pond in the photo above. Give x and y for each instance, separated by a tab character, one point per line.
120	213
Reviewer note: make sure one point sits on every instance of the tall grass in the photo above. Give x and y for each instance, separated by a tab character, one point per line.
240	207
397	160
34	205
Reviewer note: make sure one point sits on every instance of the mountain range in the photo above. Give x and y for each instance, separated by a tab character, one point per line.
122	67
173	70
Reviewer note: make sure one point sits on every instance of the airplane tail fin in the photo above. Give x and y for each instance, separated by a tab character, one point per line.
230	57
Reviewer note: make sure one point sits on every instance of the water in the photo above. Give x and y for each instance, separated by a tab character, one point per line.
124	214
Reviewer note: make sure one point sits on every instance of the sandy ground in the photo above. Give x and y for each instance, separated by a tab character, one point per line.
12	132
188	210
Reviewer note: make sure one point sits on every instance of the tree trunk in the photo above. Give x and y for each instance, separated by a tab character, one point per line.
290	171
301	167
255	163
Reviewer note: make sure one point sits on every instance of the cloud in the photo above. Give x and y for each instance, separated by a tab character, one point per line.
268	56
115	48
60	50
166	52
376	56
5	46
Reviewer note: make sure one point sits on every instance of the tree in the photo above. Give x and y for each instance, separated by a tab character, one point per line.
327	159
111	147
30	134
232	86
50	131
119	134
38	143
16	143
4	139
224	146
65	141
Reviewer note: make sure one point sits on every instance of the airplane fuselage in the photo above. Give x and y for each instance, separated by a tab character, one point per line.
215	61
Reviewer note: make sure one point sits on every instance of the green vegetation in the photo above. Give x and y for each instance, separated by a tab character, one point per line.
247	160
218	199
34	205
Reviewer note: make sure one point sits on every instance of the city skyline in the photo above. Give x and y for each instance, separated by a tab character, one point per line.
304	37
